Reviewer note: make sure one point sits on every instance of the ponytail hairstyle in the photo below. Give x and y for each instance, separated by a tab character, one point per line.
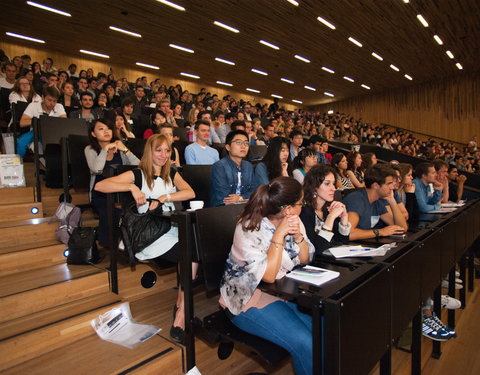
269	200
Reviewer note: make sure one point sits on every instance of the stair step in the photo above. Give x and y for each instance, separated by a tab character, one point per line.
28	292
44	318
21	211
50	199
17	195
91	355
27	236
30	259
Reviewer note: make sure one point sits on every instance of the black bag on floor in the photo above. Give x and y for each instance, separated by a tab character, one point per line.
82	247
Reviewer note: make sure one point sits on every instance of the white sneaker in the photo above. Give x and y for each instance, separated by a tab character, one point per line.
457	274
445	285
457	280
450	303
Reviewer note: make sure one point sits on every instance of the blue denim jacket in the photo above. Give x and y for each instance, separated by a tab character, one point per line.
425	201
225	180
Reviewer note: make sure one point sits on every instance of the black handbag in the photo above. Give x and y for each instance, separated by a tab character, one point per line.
141	230
82	247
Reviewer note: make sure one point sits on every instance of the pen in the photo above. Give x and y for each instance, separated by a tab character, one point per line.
366	249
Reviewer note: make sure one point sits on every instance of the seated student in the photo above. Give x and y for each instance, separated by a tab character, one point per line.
233	179
406	189
396	185
315	143
354	162
269	240
366	207
455	184
306	159
158	118
339	164
326	221
441	167
296	140
156	180
123	130
167	131
199	153
86	111
275	163
68	98
428	190
48	106
104	150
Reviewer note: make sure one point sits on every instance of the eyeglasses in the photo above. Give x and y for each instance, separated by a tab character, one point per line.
238	142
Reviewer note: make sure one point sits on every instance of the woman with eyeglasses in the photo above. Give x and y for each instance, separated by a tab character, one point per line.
269	241
22	91
303	162
326	221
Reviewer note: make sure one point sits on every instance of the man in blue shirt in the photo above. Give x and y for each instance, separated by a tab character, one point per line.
428	190
232	177
366	207
199	153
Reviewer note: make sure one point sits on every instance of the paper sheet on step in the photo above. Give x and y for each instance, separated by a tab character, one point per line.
118	327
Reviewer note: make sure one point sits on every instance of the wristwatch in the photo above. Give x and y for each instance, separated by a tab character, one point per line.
376	233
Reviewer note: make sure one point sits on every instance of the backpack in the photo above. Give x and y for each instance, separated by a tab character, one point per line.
70	217
82	247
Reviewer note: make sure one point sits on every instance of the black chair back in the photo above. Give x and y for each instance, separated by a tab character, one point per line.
136	145
17	112
77	163
181	133
256	152
52	129
5	104
214	230
199	178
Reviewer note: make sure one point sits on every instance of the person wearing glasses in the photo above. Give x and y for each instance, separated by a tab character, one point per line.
269	241
233	178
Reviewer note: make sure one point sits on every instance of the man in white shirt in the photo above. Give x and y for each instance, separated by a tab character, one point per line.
8	81
48	107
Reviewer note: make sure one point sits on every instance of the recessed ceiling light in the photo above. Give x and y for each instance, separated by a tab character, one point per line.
147	65
349	79
408	77
50	9
326	23
450	54
125	31
330	112
173	5
302	58
328	69
259	72
293	2
406	1
253	90
459	66
190	75
268	44
377	56
310	88
329	94
25	37
354	41
224	61
422	20
94	53
226	27
365	86
181	48
438	40
224	83
277	96
394	68
287	80
297	101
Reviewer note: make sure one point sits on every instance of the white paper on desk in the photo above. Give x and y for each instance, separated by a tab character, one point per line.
452	204
443	210
118	327
360	251
323	275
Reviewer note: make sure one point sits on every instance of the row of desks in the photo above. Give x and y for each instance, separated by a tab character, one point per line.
357	316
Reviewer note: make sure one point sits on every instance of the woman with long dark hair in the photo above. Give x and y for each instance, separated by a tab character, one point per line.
325	220
354	161
303	162
339	164
68	98
275	162
269	241
155	179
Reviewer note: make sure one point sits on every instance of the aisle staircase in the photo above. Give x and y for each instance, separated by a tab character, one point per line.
46	305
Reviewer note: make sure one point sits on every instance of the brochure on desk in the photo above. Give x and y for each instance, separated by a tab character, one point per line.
313	275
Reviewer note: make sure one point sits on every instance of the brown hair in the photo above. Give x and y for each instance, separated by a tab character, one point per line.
268	200
313	180
146	164
16	88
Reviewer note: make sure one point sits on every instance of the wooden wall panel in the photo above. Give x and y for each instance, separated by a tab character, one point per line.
447	108
62	61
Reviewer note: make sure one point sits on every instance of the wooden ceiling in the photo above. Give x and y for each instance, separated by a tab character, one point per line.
388	27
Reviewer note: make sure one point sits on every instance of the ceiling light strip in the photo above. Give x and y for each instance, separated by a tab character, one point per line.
253	90
25	37
422	20
94	53
365	86
438	40
181	48
268	44
172	5
224	83
293	2
354	41
394	68
450	54
287	80
277	96
137	35
326	23
50	9
301	58
328	70
297	101
189	75
329	94
259	72
147	65
310	88
377	56
348	79
408	77
459	66
224	61
226	27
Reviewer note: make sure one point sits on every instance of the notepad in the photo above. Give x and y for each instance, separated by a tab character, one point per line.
313	275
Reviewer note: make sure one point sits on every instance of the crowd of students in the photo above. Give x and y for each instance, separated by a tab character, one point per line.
290	216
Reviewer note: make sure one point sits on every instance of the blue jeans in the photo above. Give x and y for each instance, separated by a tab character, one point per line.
282	323
23	142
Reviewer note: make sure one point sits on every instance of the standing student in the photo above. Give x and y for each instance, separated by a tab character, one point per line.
269	241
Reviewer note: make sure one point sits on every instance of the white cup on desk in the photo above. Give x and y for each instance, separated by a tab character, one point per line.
196	205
